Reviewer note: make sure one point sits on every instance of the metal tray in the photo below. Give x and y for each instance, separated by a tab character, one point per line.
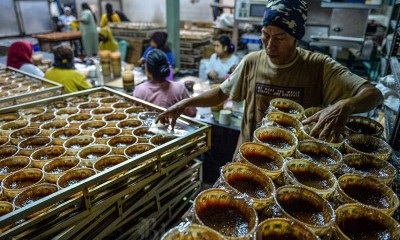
145	180
48	88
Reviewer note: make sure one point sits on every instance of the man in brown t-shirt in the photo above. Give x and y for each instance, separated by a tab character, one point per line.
283	70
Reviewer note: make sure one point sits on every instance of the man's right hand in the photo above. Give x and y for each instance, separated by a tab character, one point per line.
171	115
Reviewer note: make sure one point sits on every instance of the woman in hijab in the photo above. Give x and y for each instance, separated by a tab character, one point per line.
107	41
20	57
109	16
158	90
63	71
158	40
90	39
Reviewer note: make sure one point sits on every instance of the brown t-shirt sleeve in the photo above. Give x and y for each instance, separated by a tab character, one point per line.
338	82
237	85
231	84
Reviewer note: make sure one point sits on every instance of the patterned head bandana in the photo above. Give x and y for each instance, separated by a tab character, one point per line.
289	15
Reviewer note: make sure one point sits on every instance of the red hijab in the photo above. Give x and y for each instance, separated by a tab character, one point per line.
20	53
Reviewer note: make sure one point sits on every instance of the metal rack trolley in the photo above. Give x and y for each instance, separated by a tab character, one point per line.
153	191
51	88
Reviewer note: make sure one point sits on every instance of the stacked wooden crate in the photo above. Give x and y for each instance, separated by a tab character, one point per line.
192	47
137	34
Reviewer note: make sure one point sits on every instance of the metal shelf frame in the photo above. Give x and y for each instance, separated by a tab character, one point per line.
52	89
391	50
393	123
153	184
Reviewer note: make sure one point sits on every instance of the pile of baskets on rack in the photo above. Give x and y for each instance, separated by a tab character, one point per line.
288	185
83	157
18	87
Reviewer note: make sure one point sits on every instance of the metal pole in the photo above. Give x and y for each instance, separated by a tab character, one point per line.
173	25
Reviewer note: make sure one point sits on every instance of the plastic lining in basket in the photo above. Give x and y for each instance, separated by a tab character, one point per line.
9	127
304	206
128	125
148	118
88	155
305	135
379	169
90	127
283	120
287	106
109	101
367	145
119	143
5	140
231	217
88	107
364	125
29	145
74	176
56	167
264	158
42	118
161	139
144	133
248	182
106	162
355	221
61	135
354	188
98	95
308	175
49	127
75	144
9	117
121	106
53	107
134	111
103	135
75	101
31	112
21	180
114	118
13	164
19	135
44	155
282	228
33	194
99	113
8	151
321	154
281	140
76	120
64	113
137	149
18	90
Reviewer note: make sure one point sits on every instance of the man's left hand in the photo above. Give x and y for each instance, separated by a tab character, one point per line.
331	121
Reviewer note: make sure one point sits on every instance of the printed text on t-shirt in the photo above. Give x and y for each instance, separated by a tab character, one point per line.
293	93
